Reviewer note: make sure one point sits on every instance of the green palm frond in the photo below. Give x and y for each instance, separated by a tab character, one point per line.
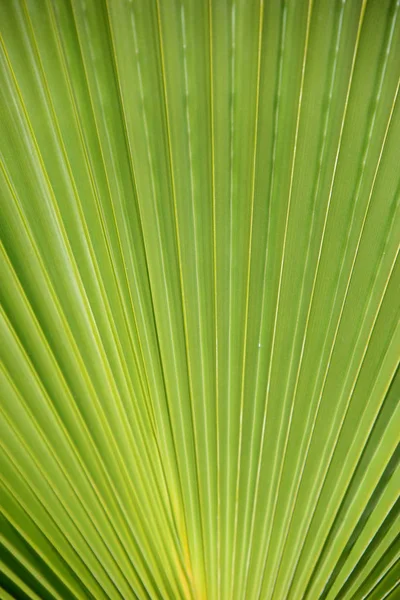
200	285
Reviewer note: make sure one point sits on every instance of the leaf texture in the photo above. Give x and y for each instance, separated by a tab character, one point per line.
200	284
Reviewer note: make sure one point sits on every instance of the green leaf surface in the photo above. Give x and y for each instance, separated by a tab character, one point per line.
199	299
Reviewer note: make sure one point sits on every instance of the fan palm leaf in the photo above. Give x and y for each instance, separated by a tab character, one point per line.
199	297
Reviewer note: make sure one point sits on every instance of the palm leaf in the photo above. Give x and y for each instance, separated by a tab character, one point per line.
200	333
